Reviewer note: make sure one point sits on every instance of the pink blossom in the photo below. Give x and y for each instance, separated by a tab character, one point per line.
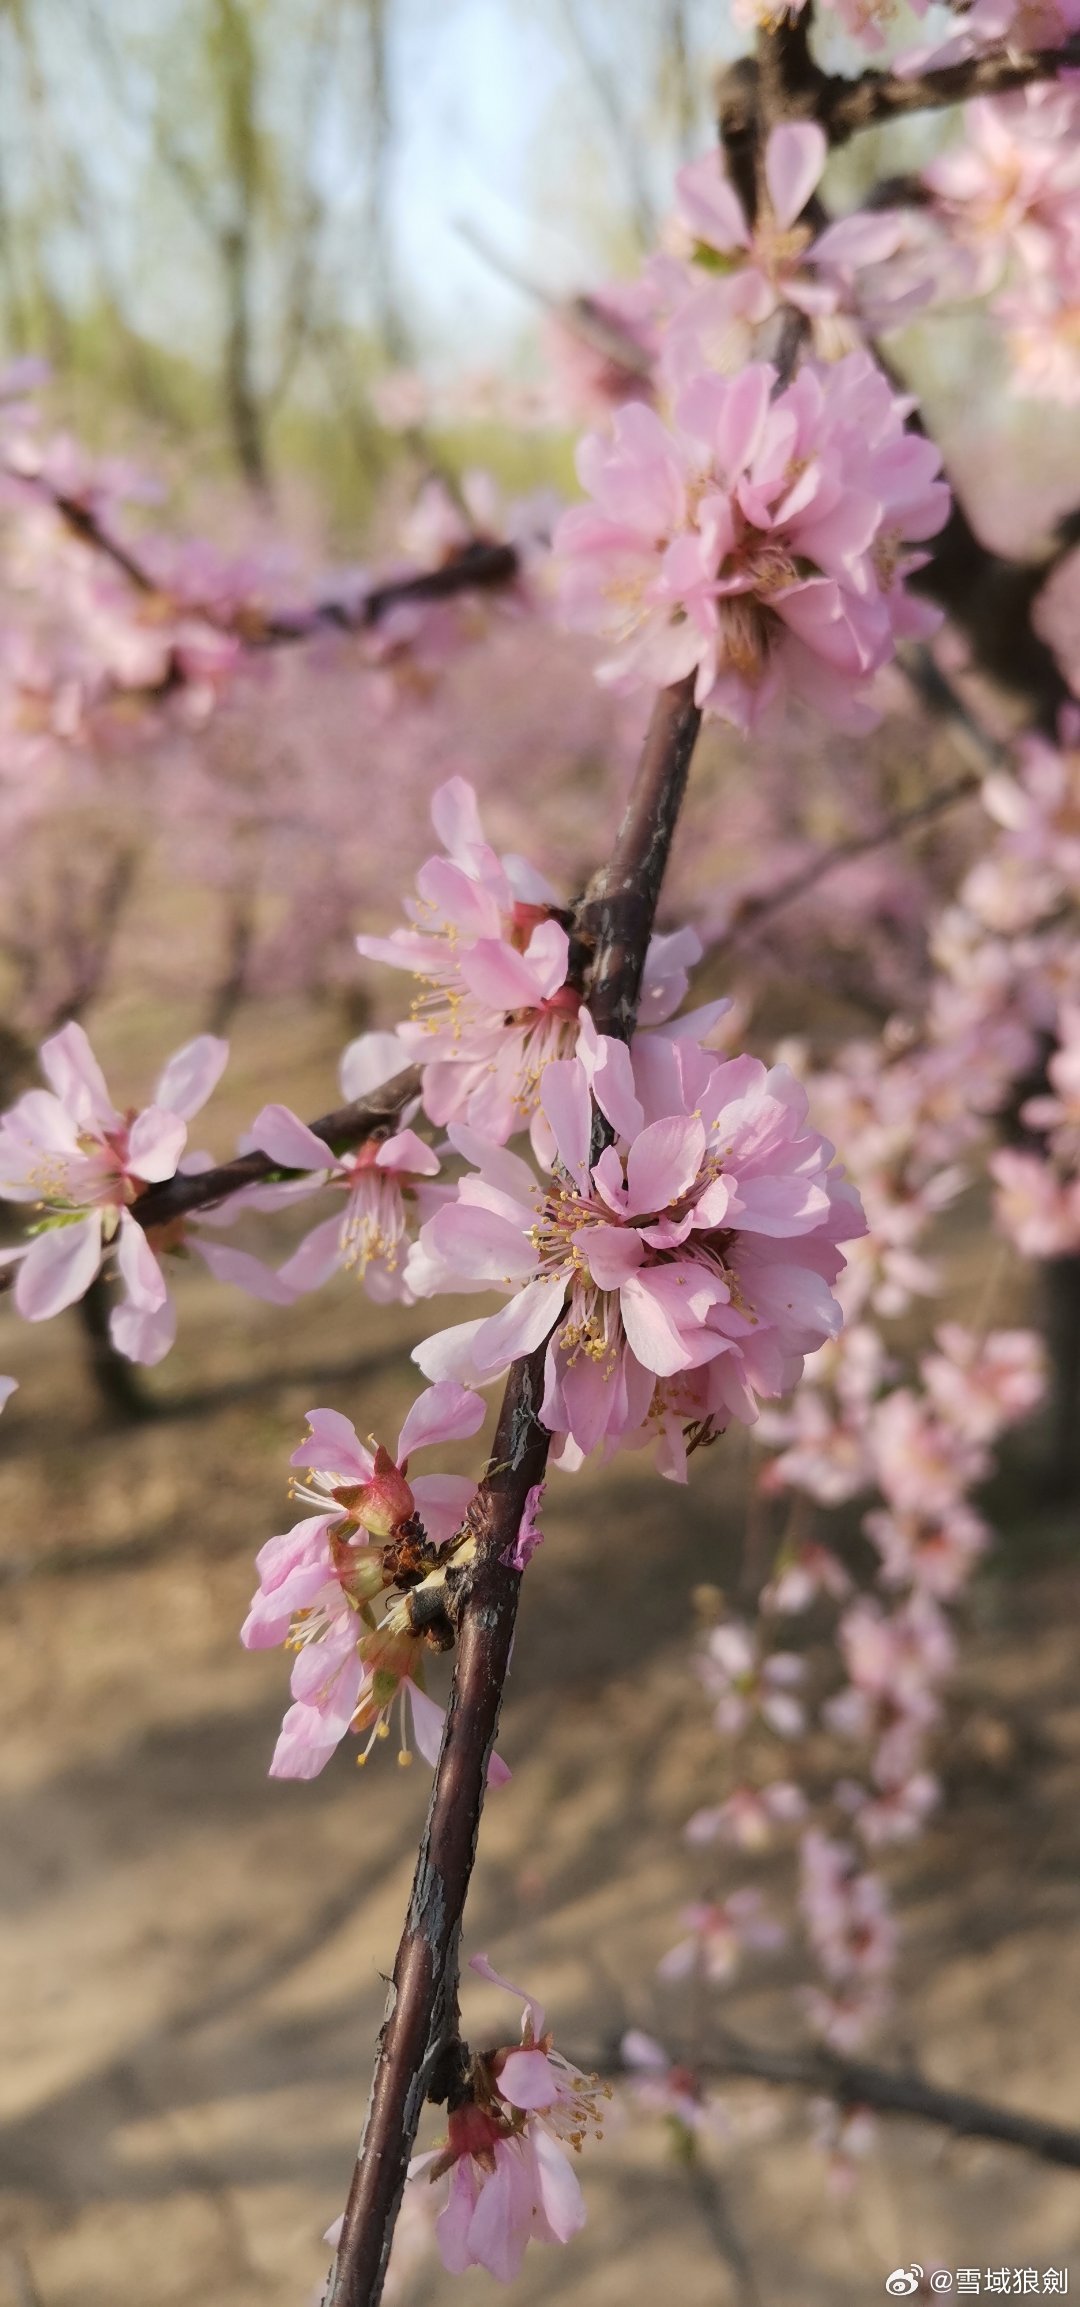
922	1464
385	1182
750	1816
663	2087
511	2182
745	1683
701	1241
933	1551
761	544
982	1384
318	1582
896	1812
489	944
1037	1210
69	1150
718	1932
847	1921
776	260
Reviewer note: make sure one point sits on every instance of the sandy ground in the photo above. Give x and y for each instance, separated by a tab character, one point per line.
193	1955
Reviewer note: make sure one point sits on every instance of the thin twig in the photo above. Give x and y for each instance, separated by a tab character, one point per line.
351	1125
613	926
858	2083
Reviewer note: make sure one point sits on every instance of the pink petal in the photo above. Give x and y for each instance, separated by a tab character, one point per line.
520	1327
485	1970
244	1272
71	1069
567	1107
332	1445
710	206
427	1722
280	1133
442	1502
561	2200
143	1336
526	2079
663	1163
305	1744
408	1152
369	1061
58	1268
795	156
191	1074
444	1413
500	2225
449	1353
611	1075
612	1253
156	1141
317	1257
8	1386
456	818
498	975
139	1270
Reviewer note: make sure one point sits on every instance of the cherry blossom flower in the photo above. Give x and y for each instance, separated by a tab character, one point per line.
489	943
981	1385
511	2182
853	1938
663	2087
761	544
718	1932
749	1817
84	1164
318	1582
744	1683
743	272
705	1234
385	1182
1037	1210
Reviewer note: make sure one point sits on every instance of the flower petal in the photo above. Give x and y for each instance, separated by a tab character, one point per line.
280	1133
445	1412
191	1074
58	1268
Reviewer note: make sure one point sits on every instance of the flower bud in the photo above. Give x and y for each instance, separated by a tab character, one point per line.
385	1502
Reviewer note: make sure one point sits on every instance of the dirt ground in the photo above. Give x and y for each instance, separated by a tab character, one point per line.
193	1955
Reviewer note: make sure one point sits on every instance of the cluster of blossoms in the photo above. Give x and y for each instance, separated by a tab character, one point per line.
1009	198
374	1538
674	1247
511	2179
69	1153
759	541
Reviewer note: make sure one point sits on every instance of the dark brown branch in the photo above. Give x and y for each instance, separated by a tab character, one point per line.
858	2083
850	105
480	565
614	925
351	1125
785	83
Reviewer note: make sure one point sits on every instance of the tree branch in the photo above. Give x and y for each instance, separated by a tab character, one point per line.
613	926
851	105
481	565
856	2082
351	1125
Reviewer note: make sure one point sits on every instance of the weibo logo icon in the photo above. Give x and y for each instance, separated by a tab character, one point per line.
903	2281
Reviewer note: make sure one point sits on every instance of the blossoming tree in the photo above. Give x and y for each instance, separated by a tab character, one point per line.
673	1244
